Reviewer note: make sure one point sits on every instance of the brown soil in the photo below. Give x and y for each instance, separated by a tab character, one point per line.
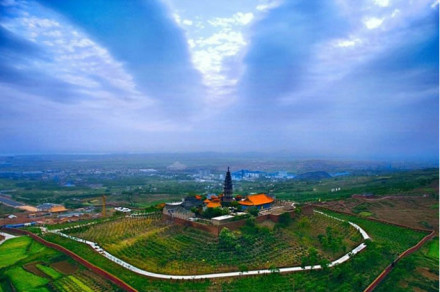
410	211
65	267
31	267
426	273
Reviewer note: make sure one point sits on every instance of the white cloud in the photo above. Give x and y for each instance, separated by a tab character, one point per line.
187	22
238	18
373	22
72	56
382	3
395	13
267	5
210	42
347	42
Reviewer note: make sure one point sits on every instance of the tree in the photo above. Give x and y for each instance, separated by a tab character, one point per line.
253	211
284	220
243	268
228	239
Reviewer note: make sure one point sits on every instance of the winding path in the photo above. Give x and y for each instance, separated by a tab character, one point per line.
132	268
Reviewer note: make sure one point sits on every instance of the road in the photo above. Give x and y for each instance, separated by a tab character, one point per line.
10	202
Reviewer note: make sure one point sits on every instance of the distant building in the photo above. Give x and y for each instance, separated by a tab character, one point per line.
260	201
49	207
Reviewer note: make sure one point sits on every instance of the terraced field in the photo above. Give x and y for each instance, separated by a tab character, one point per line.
156	246
26	265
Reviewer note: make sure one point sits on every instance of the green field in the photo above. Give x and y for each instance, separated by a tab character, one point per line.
156	246
13	250
25	281
49	271
26	265
433	249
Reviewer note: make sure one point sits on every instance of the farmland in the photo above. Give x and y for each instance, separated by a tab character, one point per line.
412	211
418	272
155	246
26	265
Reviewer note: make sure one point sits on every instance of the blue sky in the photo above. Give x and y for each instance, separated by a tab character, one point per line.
336	79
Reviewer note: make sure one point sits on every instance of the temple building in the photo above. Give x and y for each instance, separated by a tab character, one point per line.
260	201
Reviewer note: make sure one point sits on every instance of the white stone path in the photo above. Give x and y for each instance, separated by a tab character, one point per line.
130	267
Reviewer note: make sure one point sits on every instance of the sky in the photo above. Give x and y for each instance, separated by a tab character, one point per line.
336	79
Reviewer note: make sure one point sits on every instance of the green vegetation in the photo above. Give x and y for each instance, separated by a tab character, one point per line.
417	272
25	281
6	210
153	245
365	214
138	282
354	275
214	212
433	249
26	265
13	250
49	271
417	182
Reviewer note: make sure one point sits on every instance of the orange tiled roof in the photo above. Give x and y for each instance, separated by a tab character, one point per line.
213	205
206	201
256	200
214	197
198	197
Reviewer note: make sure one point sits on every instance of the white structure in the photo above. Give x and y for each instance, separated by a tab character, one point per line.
123	209
221	219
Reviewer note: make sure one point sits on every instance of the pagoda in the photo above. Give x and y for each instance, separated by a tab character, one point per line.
227	189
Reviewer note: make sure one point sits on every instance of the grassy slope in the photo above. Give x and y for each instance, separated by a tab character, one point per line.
177	250
354	275
417	272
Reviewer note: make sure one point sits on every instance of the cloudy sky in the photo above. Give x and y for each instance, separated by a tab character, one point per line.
337	78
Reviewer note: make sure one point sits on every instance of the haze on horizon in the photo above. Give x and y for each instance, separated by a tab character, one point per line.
339	78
